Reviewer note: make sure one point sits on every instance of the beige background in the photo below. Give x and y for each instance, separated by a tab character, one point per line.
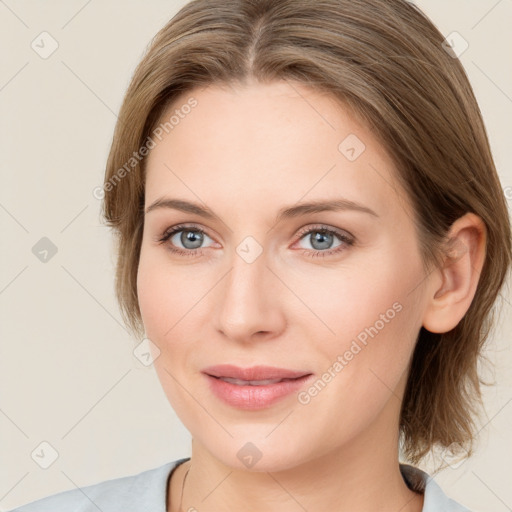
67	372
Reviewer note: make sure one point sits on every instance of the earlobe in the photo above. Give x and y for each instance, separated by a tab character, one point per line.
463	261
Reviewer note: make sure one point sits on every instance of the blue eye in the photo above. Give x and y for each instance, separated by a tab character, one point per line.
192	237
323	239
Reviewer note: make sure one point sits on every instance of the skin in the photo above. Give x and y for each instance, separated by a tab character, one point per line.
246	152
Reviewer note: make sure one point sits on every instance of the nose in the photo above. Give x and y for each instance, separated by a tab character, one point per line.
249	305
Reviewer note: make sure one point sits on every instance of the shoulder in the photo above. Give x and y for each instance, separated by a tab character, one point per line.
435	500
133	492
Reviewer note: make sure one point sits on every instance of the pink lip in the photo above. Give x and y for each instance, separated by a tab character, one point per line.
252	397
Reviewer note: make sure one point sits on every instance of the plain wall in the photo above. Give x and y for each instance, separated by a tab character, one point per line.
67	372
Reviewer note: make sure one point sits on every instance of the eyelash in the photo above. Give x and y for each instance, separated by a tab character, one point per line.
347	240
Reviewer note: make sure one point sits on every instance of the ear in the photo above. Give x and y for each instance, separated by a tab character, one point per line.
454	285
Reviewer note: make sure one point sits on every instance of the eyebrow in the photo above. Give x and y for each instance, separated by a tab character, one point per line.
340	204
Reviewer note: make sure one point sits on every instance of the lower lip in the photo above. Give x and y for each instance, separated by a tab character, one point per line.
254	397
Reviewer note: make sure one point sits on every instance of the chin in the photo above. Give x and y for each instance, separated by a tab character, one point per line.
255	450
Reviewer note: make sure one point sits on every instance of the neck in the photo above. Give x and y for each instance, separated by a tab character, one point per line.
363	476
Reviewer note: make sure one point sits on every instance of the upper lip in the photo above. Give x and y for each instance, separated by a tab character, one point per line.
253	373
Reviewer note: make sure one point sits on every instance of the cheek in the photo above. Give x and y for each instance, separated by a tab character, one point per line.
153	301
360	294
373	317
164	296
165	293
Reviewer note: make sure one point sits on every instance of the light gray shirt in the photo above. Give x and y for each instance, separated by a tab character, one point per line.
147	492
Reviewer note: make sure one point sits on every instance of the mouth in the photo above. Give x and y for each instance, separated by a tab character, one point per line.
256	387
240	382
254	374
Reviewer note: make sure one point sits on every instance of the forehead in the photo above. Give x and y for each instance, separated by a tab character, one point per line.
279	143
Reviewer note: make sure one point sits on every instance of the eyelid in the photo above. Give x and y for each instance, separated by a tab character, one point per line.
301	232
324	227
176	228
346	238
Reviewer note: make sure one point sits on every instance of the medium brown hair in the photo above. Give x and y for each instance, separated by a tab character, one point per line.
383	59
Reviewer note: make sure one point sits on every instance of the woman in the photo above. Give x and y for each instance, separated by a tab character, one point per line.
312	235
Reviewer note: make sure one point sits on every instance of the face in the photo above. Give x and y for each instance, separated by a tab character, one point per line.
331	296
